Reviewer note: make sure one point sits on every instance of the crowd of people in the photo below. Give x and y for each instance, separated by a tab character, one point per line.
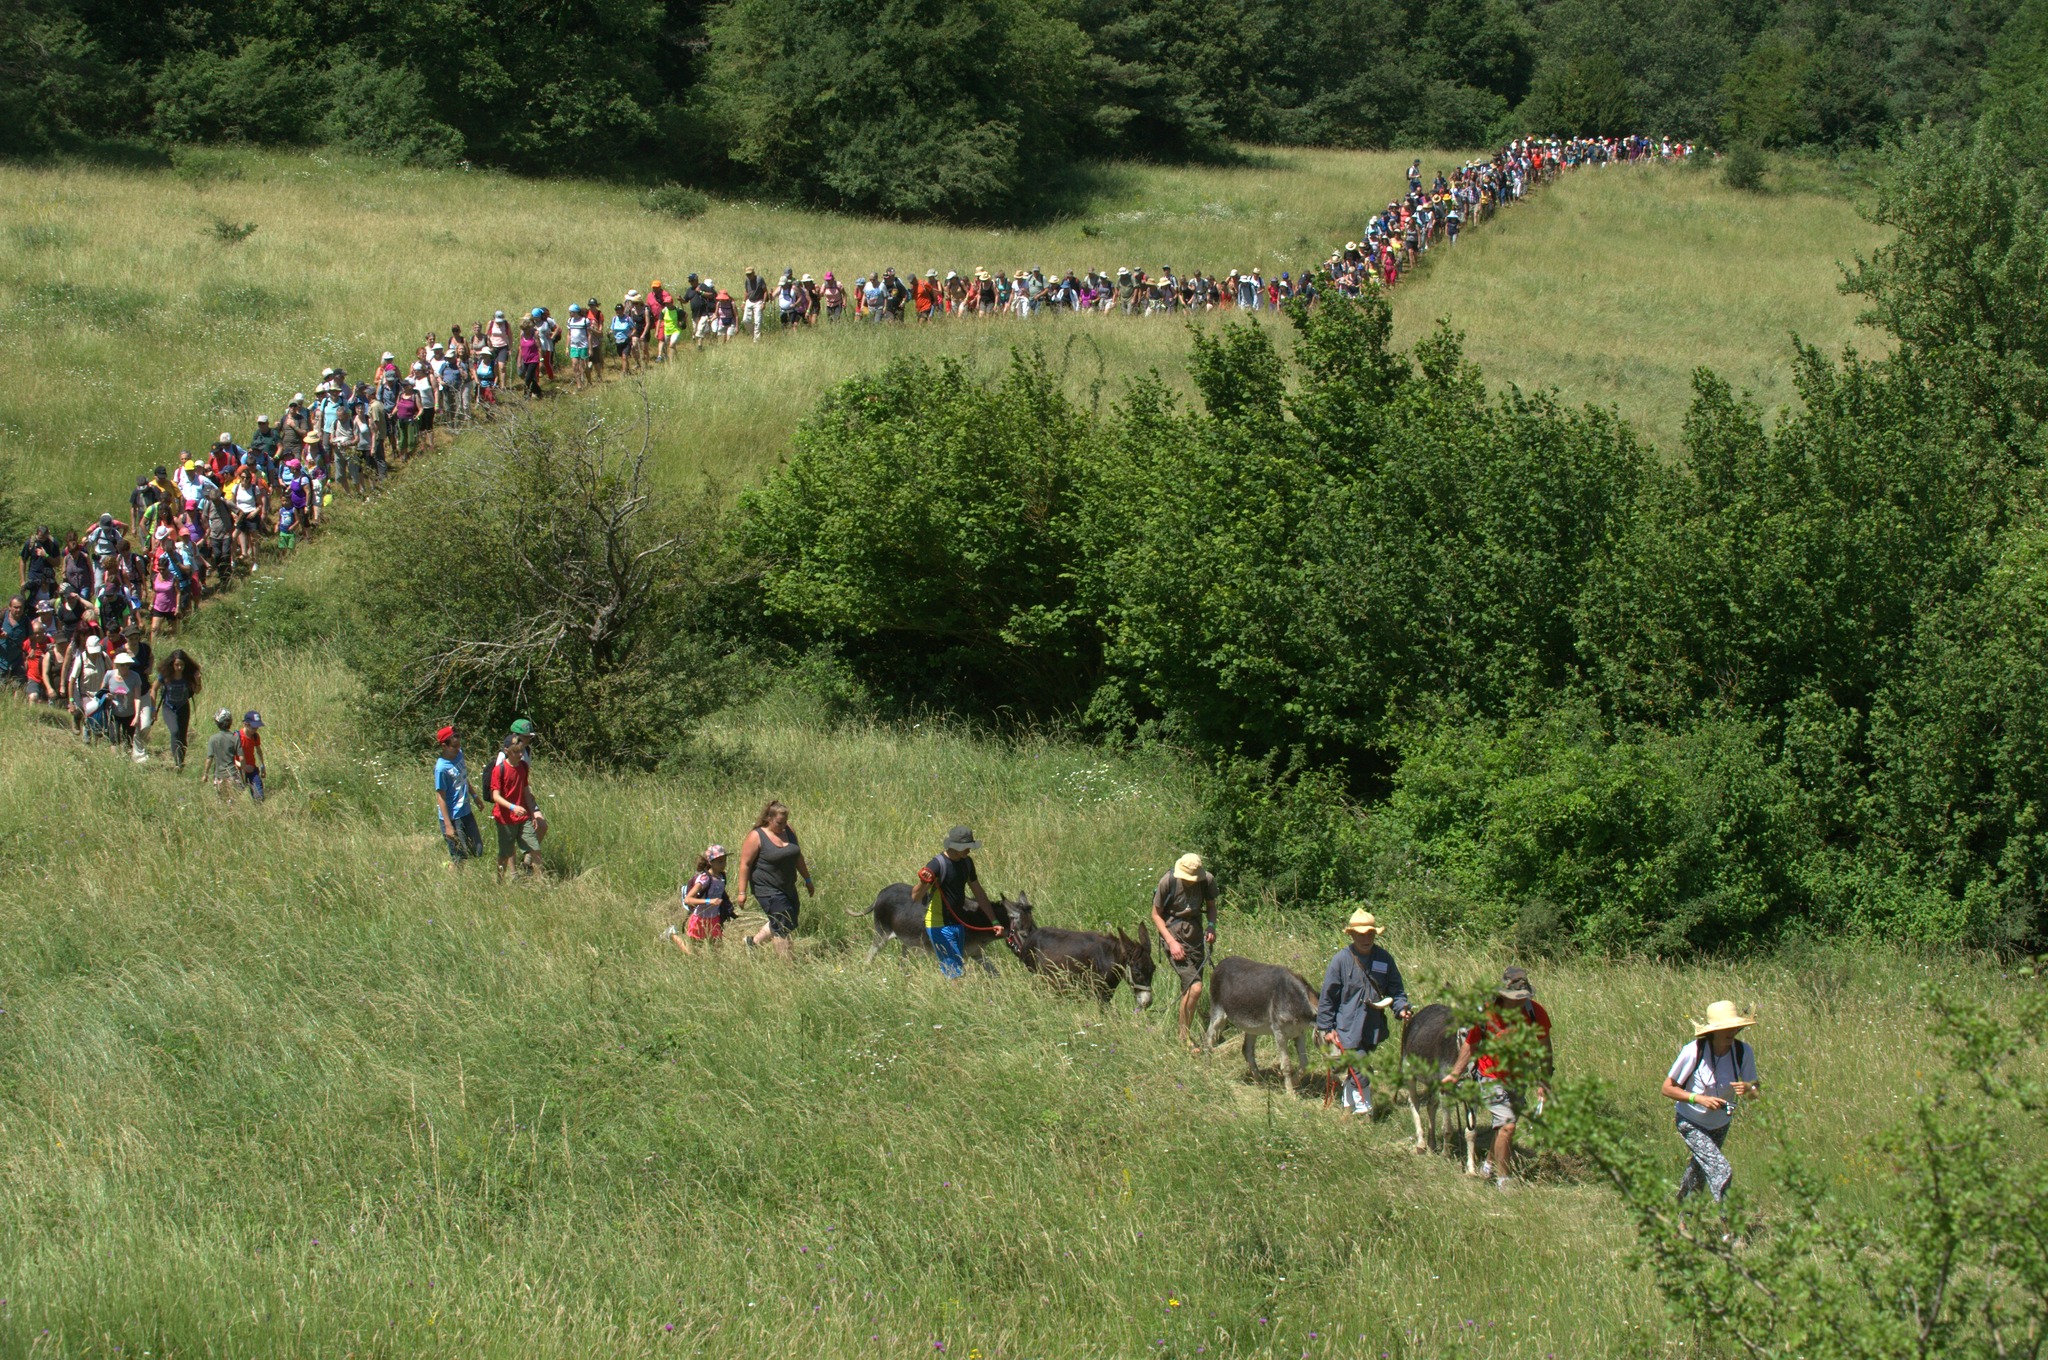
82	634
1505	1054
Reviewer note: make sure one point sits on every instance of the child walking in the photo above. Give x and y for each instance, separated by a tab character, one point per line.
706	899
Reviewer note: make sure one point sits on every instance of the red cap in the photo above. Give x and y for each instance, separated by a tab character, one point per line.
445	734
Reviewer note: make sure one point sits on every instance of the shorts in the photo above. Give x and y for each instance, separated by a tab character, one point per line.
1195	957
467	842
170	613
579	351
704	927
36	693
1502	1101
516	836
426	419
946	942
781	913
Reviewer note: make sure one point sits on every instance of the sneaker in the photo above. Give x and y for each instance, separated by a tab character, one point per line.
1486	1167
1501	1182
670	933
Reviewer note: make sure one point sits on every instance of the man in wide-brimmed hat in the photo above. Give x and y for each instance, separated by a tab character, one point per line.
1360	986
1713	1071
942	889
1504	1084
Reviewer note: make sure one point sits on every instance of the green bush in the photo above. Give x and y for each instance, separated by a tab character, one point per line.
929	522
538	575
677	201
951	108
262	93
1744	168
385	111
1649	841
1294	837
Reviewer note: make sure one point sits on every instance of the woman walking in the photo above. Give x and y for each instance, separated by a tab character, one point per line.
1711	1073
771	861
177	682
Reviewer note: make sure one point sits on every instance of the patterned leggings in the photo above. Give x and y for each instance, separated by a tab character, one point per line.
1708	1166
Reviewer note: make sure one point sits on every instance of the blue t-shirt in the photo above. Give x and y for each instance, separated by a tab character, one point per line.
451	781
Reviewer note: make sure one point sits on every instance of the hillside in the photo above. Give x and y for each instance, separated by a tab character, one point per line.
139	331
274	1082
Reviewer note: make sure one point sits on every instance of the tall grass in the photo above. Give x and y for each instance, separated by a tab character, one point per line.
1616	286
273	1081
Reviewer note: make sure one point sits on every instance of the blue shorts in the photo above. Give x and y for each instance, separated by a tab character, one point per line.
946	941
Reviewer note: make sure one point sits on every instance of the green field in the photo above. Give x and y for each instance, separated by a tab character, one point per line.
273	1082
136	330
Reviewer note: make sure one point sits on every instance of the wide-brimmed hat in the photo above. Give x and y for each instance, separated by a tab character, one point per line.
1363	921
1514	985
1188	867
1722	1015
962	838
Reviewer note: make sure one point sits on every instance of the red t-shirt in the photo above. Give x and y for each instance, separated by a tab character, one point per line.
252	749
33	649
1489	1066
509	781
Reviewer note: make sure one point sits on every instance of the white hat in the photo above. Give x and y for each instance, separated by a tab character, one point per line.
123	659
226	438
300	396
389	355
92	644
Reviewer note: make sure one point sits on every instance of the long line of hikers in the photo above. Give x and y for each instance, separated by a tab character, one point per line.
82	633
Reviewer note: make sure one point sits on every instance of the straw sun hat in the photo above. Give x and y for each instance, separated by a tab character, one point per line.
1722	1015
1362	921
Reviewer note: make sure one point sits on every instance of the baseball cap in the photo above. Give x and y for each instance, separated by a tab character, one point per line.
522	727
445	733
252	718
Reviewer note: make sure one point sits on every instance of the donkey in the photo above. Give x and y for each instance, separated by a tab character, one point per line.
1429	1048
897	918
1262	998
1083	958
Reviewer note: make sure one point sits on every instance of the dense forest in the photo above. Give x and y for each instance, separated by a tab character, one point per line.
986	108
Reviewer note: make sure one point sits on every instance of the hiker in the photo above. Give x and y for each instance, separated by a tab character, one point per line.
1502	1087
520	824
580	327
1184	906
771	862
1710	1074
454	799
223	753
249	754
16	624
177	684
1360	986
706	900
941	889
755	290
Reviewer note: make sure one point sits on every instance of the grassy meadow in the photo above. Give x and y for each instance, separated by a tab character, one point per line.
273	1081
1617	284
137	330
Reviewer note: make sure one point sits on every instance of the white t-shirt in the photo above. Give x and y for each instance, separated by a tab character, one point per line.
1712	1075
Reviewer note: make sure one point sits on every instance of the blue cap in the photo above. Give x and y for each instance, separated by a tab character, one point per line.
252	718
538	312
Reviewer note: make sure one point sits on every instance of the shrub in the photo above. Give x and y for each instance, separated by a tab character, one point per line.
384	111
256	95
1745	168
952	108
538	575
928	522
674	200
1294	837
1652	841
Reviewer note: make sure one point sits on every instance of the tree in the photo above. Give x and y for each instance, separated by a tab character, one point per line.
921	108
538	574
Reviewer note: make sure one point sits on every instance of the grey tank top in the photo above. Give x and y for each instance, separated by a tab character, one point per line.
775	865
